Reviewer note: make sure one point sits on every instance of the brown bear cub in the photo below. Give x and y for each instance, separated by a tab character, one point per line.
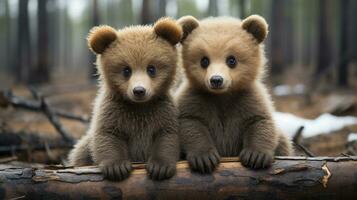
225	110
134	117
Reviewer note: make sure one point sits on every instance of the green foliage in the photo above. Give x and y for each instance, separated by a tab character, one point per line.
188	7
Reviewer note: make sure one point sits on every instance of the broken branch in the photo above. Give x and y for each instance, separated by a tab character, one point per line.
297	139
8	98
55	122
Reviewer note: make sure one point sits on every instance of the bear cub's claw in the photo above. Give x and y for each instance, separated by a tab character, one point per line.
159	171
204	162
116	170
255	159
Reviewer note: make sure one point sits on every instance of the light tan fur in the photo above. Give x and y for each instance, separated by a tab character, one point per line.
125	128
236	118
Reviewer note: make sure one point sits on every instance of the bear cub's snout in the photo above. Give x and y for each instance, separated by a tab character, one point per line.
139	92
216	82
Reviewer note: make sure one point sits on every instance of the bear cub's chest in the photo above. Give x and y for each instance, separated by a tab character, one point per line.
225	129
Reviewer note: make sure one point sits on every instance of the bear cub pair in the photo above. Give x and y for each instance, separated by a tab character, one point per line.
223	107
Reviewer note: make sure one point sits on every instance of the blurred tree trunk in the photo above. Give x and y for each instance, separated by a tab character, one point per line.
342	75
324	37
8	48
54	33
40	73
23	60
353	31
242	9
146	12
111	13
277	35
152	10
92	58
68	39
289	33
307	12
162	8
212	8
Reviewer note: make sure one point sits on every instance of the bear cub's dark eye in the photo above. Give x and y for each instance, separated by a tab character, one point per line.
126	72
231	61
204	62
151	70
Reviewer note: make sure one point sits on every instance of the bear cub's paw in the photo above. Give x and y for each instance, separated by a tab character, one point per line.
256	159
204	162
158	170
116	170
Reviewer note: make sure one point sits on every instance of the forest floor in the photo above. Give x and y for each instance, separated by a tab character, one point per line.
78	100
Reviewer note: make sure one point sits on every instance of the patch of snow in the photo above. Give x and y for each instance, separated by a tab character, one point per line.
325	123
352	137
284	90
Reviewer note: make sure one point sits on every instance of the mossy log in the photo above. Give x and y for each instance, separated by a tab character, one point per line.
288	178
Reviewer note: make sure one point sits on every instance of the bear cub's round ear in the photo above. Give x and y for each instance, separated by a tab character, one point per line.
257	26
188	24
168	29
100	37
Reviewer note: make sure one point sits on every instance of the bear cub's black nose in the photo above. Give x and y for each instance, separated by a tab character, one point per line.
139	91
216	81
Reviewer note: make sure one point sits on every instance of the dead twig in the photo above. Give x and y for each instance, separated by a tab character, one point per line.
49	151
296	140
305	150
298	135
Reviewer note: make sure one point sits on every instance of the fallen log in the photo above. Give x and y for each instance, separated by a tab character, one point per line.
288	178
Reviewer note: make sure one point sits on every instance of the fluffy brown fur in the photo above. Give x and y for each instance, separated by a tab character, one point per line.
234	119
125	127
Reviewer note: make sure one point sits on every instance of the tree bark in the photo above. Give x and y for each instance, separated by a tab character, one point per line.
288	178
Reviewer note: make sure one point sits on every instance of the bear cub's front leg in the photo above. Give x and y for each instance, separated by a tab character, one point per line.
111	153
201	153
165	153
